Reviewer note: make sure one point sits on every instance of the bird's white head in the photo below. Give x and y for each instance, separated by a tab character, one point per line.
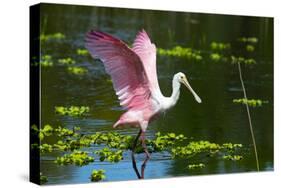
181	78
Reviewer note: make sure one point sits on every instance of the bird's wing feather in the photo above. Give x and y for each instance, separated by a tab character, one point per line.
124	66
147	52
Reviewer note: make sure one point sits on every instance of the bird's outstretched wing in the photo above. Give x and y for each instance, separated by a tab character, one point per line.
124	66
147	52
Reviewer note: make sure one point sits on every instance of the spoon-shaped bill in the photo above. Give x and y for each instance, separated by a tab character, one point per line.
197	98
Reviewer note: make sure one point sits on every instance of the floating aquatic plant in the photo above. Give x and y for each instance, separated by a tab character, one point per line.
215	57
162	142
195	166
46	61
77	70
235	60
72	110
219	46
46	131
248	40
98	175
250	48
233	157
113	140
78	158
63	132
43	179
179	51
55	36
62	146
115	144
196	147
44	148
250	102
110	155
66	61
82	52
231	146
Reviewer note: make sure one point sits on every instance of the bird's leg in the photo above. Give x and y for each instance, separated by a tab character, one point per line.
146	152
133	154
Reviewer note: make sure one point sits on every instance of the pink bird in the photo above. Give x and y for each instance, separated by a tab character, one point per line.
134	76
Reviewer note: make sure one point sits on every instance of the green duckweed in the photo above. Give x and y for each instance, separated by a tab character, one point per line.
231	146
162	142
45	61
54	36
79	158
82	52
219	46
43	179
250	102
46	131
195	166
215	57
77	70
243	60
110	155
63	132
45	148
233	157
71	142
179	51
98	175
248	40
195	147
250	48
72	110
66	61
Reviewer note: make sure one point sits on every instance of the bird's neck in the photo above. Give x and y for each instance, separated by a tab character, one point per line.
175	94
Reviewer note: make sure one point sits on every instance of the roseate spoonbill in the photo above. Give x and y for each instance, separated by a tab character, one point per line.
134	77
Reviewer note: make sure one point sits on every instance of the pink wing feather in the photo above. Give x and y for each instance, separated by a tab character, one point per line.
147	52
124	66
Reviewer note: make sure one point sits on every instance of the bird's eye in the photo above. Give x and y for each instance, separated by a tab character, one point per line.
181	77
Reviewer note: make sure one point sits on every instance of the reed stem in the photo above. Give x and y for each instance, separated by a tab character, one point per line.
249	118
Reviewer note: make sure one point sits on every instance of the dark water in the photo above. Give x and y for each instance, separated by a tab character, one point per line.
217	119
